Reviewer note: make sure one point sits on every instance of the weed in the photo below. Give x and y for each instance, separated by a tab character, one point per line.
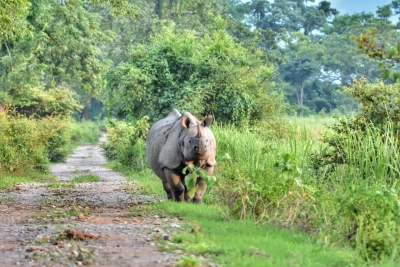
86	178
188	262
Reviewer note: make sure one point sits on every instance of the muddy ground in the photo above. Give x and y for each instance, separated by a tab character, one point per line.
46	225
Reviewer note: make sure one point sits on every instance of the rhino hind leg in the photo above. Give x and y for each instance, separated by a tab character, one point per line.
177	187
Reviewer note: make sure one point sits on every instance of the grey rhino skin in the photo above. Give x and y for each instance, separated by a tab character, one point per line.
175	142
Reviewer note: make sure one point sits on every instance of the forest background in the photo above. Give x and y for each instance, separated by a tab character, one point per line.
308	48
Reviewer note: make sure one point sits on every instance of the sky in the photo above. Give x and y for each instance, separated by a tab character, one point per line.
357	6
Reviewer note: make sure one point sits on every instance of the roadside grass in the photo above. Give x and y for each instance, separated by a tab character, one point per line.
61	185
217	235
241	243
9	180
84	132
210	232
340	214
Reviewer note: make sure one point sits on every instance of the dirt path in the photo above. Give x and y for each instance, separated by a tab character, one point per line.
85	225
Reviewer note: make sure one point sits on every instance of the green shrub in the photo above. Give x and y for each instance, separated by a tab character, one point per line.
358	166
57	143
29	144
379	111
126	143
85	131
372	218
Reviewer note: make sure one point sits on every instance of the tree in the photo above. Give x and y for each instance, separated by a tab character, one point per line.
13	22
62	50
304	63
384	49
199	74
291	15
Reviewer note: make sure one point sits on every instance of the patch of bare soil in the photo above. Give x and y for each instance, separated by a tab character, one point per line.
86	225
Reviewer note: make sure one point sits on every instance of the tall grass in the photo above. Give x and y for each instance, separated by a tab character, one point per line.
273	180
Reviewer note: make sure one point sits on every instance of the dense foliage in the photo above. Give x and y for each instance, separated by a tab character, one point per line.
191	73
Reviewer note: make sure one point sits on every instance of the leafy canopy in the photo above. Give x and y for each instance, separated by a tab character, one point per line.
200	74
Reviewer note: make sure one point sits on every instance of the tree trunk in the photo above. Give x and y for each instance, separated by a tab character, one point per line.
159	8
300	94
85	112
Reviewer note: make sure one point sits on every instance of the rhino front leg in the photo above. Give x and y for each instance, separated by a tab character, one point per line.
202	185
201	189
177	188
168	190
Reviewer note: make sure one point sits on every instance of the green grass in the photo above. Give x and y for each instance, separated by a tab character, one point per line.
86	178
230	242
8	181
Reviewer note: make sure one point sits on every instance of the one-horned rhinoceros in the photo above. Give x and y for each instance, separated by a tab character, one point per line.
176	142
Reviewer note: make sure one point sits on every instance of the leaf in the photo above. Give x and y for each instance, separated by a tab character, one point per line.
398	47
391	53
385	74
185	169
211	180
190	180
299	171
279	168
192	191
395	76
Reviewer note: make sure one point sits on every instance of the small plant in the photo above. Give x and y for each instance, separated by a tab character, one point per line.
86	178
188	262
373	218
193	173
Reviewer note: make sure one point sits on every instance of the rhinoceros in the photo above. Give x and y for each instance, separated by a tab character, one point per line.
176	142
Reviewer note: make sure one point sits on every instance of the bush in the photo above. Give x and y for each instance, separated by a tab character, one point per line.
29	144
59	137
85	131
126	143
380	105
372	217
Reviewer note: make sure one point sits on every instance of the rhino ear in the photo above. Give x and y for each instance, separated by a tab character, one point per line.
208	120
185	121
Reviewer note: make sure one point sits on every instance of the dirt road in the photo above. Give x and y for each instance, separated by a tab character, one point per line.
66	224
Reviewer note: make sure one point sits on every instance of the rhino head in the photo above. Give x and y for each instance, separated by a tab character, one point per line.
196	141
